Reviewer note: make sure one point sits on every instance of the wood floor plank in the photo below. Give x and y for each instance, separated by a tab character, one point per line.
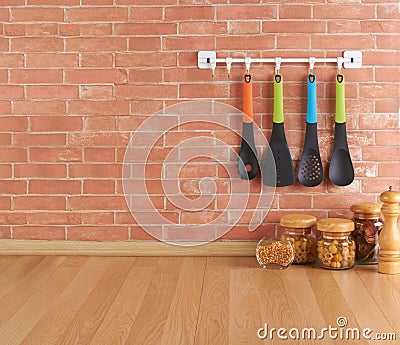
115	327
180	327
85	323
213	320
14	268
18	325
385	291
148	326
41	274
63	309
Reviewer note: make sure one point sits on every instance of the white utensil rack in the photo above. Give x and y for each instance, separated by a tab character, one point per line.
207	59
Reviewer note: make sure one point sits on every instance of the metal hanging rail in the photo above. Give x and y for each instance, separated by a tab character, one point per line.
207	59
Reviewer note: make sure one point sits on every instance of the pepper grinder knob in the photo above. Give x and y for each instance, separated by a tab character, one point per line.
389	238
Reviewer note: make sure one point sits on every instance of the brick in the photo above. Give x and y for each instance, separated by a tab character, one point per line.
13	124
98	107
99	154
12	187
37	44
96	76
96	60
342	41
97	203
389	169
381	58
343	11
54	187
40	170
52	92
5	170
39	107
293	26
293	41
55	123
97	233
11	60
186	75
180	13
380	26
146	75
205	28
99	187
146	91
99	139
377	186
146	107
12	218
96	92
388	11
42	30
36	76
37	14
145	59
132	29
39	203
11	92
203	91
146	13
145	2
237	42
99	123
55	155
298	201
5	139
378	121
13	154
5	107
145	43
97	14
53	218
339	201
243	27
5	203
188	43
388	138
92	170
96	44
101	29
294	12
24	139
47	60
387	42
387	74
39	232
5	232
232	12
344	26
387	106
96	218
378	154
97	2
379	91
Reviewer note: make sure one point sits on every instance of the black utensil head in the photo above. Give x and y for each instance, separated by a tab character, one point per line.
280	157
341	171
310	172
248	166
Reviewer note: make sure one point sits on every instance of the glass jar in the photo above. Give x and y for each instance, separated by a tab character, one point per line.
335	248
274	253
298	231
368	224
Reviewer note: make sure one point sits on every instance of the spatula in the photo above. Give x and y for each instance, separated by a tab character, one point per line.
279	153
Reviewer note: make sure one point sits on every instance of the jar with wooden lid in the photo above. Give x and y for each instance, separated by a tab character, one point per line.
298	230
335	248
368	224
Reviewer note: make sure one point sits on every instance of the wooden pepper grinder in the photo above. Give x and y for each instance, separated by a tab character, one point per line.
389	238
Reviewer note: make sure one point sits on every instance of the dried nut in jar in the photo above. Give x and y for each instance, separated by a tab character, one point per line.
274	253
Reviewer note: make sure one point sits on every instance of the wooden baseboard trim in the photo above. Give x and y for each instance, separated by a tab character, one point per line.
134	248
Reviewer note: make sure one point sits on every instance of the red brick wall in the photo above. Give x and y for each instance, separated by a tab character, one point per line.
78	76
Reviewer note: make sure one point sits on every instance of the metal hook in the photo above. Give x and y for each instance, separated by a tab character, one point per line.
278	62
247	61
340	62
229	65
312	62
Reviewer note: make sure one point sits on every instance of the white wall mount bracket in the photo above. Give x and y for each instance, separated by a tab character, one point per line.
207	59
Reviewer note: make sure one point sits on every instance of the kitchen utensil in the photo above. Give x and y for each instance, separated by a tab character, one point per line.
248	162
310	172
341	171
389	238
279	155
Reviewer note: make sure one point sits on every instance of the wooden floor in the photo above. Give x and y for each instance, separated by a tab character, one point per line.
184	301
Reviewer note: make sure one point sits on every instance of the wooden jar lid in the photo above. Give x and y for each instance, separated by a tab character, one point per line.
366	208
298	221
335	225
